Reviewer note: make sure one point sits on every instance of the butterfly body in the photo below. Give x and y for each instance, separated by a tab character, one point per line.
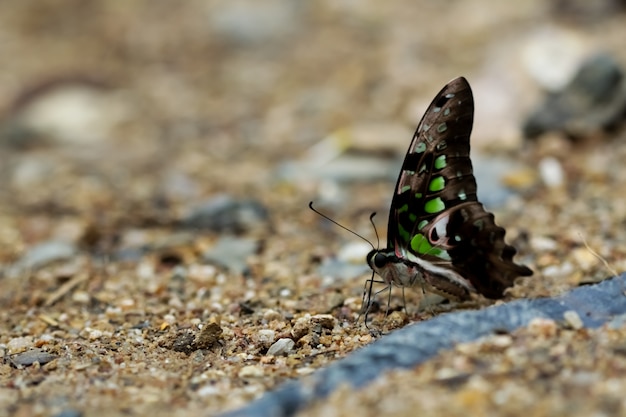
413	271
439	236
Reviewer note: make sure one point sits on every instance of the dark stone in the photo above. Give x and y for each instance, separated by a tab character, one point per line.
30	357
225	214
231	253
594	101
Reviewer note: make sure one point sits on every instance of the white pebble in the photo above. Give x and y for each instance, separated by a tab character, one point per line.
19	344
251	371
266	337
281	346
551	172
573	319
543	244
354	252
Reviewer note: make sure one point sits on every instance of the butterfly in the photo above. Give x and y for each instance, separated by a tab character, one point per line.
439	236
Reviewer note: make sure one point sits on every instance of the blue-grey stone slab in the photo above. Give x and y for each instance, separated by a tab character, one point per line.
595	304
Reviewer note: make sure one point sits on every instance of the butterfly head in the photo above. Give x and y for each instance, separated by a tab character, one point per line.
391	268
378	260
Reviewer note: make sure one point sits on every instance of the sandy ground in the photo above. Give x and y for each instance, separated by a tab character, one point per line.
118	118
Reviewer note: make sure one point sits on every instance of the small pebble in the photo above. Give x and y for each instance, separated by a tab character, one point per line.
551	172
542	243
232	253
208	390
543	327
554	271
223	213
396	319
301	327
552	56
265	337
94	334
41	255
573	320
33	356
19	344
281	347
269	315
327	321
209	335
501	341
584	258
81	297
251	371
354	252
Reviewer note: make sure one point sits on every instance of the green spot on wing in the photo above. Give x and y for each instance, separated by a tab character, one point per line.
422	224
442	127
421	147
440	162
437	184
403	209
412	217
421	245
418	195
462	195
434	206
440	253
405	189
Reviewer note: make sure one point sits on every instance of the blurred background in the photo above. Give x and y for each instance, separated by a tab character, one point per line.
141	109
125	123
182	141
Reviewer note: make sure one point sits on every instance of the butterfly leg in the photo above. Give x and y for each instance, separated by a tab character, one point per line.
388	302
404	303
368	297
366	301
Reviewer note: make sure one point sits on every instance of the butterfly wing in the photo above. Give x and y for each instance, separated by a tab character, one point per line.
435	214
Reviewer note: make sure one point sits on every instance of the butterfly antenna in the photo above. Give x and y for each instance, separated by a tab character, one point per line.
375	230
342	226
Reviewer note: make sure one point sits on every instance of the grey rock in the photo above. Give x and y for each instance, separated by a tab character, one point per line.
66	111
593	101
223	213
281	347
416	343
41	255
30	357
231	252
248	22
